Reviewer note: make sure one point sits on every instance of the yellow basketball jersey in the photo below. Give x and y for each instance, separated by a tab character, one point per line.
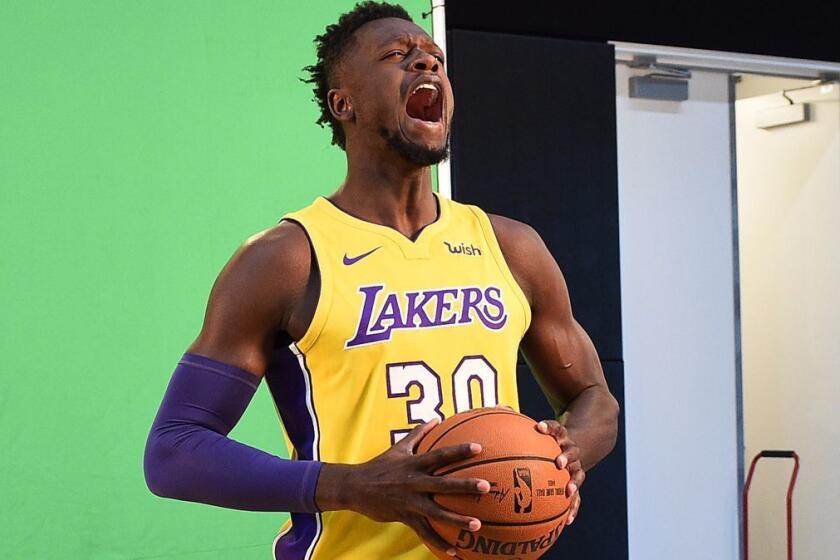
404	331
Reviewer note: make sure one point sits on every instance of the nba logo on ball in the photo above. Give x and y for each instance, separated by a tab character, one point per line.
522	502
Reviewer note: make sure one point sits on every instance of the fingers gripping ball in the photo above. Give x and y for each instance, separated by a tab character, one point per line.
526	508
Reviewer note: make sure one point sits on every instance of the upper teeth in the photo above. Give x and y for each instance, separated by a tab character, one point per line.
424	86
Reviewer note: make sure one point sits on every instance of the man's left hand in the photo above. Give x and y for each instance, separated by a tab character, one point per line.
569	459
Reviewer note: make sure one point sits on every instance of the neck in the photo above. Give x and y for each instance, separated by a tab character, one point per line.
393	193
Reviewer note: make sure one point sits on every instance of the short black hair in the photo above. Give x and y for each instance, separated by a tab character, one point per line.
331	45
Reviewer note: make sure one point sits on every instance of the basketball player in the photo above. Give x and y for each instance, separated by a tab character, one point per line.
373	314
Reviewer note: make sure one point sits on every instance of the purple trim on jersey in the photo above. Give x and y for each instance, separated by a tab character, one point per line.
286	379
288	389
294	544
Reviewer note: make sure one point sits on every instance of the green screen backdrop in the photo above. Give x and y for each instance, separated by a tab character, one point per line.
140	144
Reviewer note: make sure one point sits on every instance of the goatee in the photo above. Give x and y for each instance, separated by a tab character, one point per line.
419	155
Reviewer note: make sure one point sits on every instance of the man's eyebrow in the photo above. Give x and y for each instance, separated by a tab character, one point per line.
406	38
393	39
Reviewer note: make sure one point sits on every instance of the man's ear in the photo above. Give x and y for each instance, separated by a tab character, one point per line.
340	104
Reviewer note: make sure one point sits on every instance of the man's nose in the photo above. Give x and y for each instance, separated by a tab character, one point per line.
425	62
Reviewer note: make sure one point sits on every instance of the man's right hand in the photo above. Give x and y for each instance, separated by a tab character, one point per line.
398	486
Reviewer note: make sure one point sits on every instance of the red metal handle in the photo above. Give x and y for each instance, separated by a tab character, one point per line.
771	454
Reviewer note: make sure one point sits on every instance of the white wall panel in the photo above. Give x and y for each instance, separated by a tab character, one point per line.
676	236
789	196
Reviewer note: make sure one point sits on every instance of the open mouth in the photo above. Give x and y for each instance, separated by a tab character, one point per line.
425	103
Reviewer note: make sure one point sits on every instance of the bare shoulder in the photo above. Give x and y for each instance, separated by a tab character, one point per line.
515	235
258	293
266	269
523	249
282	249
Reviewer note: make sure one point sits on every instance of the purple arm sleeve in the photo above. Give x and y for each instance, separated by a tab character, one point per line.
188	455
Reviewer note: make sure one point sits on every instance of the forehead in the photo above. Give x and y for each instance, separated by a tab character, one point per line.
381	32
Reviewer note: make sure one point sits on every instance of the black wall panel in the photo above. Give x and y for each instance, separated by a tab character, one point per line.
771	28
534	139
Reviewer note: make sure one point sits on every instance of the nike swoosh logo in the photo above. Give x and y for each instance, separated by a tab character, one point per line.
353	260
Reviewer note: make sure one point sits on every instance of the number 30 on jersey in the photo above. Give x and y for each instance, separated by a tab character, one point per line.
402	376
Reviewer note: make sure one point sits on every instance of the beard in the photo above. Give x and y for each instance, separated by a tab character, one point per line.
414	153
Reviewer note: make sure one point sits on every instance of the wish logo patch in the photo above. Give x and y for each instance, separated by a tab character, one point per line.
463	249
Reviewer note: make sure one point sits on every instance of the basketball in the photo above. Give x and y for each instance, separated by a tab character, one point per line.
526	508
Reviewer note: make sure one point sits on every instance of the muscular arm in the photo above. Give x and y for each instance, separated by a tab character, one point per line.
188	455
558	350
269	287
